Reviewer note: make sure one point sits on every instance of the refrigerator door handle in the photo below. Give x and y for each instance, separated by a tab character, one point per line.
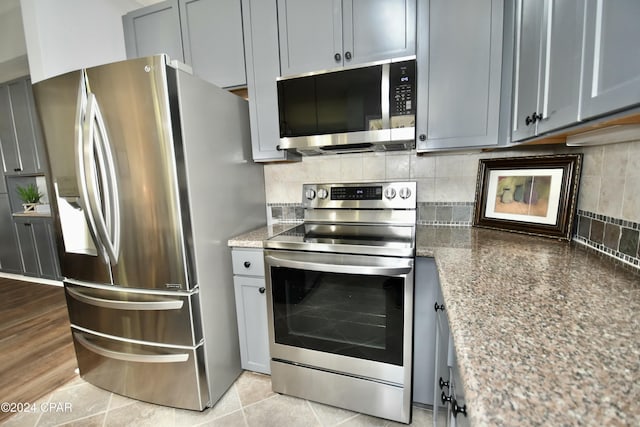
101	179
131	357
126	305
81	113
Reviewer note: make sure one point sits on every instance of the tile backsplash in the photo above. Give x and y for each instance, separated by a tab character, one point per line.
608	197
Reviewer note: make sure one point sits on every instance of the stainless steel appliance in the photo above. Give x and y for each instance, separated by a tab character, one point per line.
150	166
340	303
362	108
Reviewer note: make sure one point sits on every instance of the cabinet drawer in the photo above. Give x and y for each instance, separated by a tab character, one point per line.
165	376
248	262
164	319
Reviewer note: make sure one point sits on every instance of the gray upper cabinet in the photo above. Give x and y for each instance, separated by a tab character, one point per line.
459	66
21	141
325	34
547	63
611	79
205	34
152	30
260	24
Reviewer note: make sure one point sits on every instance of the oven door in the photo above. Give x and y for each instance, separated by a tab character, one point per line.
348	314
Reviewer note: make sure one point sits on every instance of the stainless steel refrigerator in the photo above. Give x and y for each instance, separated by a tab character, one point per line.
152	174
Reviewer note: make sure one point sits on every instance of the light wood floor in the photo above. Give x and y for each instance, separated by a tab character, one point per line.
36	350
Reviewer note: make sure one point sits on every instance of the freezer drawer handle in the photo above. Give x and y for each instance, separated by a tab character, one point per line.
130	357
126	305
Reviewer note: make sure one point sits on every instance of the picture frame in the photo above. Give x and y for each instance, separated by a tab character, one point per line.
534	195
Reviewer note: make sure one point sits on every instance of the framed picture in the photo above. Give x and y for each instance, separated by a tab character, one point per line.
532	195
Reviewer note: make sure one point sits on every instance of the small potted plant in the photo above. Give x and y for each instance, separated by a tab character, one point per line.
30	196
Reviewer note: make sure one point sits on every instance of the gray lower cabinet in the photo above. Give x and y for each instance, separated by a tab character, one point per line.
260	26
426	287
323	34
460	74
441	376
251	309
9	250
21	143
37	247
205	34
611	74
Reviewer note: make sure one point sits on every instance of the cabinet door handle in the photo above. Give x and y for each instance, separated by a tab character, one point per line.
458	409
247	264
347	56
337	57
443	383
17	169
445	398
528	120
437	307
422	137
262	290
537	117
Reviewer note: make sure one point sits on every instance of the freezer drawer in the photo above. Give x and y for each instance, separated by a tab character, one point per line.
144	316
162	375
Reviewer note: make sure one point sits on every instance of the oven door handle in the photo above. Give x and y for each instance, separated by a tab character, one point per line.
370	270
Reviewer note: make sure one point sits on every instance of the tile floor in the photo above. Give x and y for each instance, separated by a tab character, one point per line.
248	403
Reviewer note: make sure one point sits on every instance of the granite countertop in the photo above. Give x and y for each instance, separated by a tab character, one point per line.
546	332
254	238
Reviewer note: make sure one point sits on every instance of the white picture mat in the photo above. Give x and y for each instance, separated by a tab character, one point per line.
554	195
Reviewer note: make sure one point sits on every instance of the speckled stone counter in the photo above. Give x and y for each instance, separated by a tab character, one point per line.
254	238
546	332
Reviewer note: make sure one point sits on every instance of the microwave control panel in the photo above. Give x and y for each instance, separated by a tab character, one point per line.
402	76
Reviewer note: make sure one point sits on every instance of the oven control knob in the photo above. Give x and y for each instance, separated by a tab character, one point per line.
322	193
405	193
310	194
390	193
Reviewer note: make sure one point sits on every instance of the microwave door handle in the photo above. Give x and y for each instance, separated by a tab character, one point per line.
384	96
369	270
98	162
80	165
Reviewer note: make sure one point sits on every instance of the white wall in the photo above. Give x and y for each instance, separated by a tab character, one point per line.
65	35
13	49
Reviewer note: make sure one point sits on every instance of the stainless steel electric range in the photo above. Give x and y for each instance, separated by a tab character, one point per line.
341	298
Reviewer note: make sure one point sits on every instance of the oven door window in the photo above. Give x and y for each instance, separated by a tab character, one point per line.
347	314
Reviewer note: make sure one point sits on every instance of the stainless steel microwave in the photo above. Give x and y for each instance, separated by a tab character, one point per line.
364	108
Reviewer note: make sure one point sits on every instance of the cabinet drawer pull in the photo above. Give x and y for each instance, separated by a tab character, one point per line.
262	290
247	264
17	169
347	56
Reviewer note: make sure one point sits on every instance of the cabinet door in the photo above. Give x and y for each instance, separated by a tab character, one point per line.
28	251
611	79
251	308
260	26
310	35
9	249
44	239
212	40
378	29
527	63
459	73
152	30
426	286
561	61
20	140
